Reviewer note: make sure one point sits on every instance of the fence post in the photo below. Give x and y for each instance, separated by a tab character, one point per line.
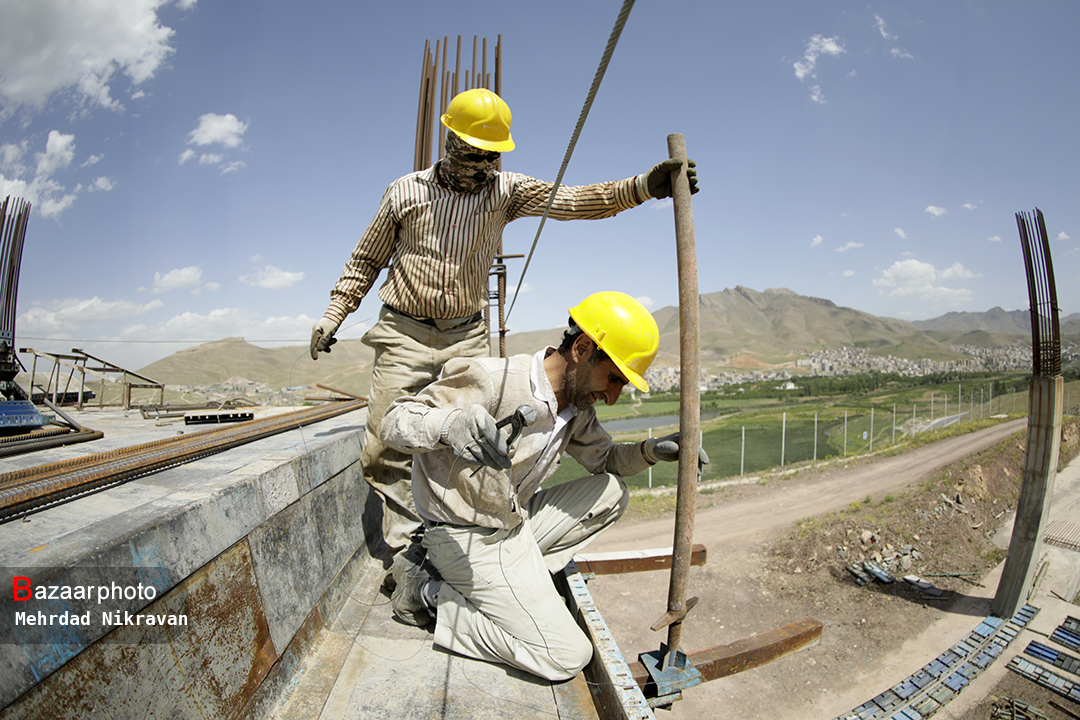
742	459
783	438
815	437
845	433
894	423
871	431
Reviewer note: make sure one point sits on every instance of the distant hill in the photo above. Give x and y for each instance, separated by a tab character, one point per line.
347	366
995	320
740	328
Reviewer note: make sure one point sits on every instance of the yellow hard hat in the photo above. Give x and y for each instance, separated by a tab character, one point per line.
480	118
624	329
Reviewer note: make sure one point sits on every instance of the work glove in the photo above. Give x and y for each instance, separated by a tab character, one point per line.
667	449
322	337
658	180
472	435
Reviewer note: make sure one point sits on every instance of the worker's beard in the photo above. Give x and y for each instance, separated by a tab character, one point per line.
466	169
574	384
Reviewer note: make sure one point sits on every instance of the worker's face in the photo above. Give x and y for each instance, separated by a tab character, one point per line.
592	379
466	168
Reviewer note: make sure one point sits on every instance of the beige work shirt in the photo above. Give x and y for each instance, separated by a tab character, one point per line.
444	486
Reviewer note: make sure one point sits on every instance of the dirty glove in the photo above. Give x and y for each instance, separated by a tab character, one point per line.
667	449
472	435
658	180
322	337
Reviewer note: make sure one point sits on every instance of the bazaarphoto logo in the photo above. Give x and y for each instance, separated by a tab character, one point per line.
78	605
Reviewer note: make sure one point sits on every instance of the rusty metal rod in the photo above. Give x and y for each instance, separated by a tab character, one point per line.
27	490
689	395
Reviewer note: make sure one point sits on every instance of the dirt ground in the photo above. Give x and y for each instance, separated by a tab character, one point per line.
778	552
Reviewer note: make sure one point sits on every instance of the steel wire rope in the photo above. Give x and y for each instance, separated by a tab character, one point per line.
613	40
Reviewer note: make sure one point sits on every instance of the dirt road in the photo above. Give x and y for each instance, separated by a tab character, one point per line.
862	629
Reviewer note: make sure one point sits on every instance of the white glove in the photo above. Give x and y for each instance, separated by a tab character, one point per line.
322	337
667	449
472	435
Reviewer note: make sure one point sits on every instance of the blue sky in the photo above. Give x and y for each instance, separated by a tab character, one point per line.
201	170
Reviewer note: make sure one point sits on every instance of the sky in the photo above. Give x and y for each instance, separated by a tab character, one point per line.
201	170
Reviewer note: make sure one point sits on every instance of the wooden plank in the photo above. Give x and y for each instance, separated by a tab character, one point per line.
757	650
633	561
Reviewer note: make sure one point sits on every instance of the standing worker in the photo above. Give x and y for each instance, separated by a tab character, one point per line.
437	230
492	537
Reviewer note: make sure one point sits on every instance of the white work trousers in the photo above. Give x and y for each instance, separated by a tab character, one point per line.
498	601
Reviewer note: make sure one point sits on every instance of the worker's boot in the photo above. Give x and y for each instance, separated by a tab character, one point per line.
412	572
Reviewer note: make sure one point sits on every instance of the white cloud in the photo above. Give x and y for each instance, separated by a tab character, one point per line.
816	241
849	273
231	167
177	279
46	195
186	155
68	316
210	158
901	53
512	290
994	238
214	129
935	210
102	184
1063	236
916	279
970	206
815	48
662	204
78	49
271	278
900	233
879	23
647	301
59	152
849	246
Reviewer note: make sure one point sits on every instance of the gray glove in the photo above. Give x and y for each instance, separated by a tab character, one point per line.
658	180
322	337
667	449
471	433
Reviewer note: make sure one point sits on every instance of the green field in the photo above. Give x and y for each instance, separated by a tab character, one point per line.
778	433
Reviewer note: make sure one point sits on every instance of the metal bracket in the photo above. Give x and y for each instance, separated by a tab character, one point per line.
671	672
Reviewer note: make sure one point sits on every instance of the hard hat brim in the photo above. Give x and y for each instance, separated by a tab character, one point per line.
493	145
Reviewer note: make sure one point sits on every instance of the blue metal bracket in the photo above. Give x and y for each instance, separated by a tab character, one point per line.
671	671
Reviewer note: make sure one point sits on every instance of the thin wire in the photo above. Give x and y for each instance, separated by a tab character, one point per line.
613	40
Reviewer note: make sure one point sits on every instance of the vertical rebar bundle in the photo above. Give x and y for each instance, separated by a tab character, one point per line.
1045	332
438	86
14	215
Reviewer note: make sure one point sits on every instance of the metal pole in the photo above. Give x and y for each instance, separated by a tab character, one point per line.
690	398
871	430
783	438
742	458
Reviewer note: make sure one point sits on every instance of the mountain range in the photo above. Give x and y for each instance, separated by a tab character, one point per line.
738	327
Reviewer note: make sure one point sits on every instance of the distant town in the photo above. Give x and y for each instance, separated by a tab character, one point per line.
855	361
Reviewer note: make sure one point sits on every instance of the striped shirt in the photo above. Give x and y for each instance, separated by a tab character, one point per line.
439	245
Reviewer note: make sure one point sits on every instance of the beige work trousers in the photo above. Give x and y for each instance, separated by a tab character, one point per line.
498	601
408	357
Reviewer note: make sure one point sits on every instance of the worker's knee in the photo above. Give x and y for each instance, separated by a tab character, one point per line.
576	653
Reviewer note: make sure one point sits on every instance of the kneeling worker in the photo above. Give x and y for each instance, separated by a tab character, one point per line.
492	537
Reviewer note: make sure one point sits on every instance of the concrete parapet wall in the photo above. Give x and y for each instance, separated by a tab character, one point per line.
258	546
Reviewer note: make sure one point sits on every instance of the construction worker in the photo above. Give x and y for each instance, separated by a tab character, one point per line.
492	537
437	231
